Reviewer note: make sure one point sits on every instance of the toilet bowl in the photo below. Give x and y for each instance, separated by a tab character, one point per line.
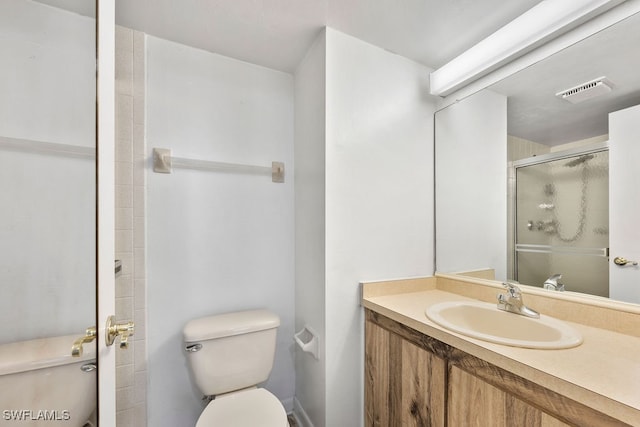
229	355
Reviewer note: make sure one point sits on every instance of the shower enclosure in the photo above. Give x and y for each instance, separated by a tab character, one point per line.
561	219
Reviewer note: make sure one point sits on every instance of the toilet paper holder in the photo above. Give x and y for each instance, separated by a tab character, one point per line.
307	340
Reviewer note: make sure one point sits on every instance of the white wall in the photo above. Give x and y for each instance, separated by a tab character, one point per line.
310	136
471	184
379	198
364	205
217	242
47	222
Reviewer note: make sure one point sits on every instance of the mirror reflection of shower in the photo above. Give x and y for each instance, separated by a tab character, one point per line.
561	220
554	226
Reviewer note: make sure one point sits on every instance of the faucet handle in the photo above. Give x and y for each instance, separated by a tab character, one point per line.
512	289
123	330
89	335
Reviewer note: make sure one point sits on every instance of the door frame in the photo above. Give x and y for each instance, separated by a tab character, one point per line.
105	212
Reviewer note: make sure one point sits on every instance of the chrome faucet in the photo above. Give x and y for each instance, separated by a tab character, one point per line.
511	301
553	283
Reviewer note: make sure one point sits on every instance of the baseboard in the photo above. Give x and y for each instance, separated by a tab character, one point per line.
288	404
301	416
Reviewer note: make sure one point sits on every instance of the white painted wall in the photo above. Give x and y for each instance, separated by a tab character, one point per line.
47	254
379	198
217	242
310	104
471	184
364	205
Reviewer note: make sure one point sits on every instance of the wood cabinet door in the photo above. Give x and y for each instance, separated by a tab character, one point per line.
473	402
404	384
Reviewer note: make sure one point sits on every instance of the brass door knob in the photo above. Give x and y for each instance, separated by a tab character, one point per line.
623	261
122	330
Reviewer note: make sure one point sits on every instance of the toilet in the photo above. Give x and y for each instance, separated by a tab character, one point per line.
229	355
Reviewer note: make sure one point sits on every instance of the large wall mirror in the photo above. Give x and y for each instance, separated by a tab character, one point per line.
531	185
48	215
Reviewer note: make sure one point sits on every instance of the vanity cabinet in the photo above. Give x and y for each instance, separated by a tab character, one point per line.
474	402
412	379
405	384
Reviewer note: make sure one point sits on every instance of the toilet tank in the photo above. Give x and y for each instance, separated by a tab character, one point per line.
231	351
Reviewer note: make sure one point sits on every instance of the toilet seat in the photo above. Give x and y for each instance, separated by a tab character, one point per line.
251	408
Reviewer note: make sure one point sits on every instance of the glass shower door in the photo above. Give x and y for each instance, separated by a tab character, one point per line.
562	218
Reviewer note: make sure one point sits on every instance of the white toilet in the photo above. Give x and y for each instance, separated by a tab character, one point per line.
229	355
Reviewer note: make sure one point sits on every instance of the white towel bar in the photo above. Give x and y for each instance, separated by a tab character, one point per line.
164	162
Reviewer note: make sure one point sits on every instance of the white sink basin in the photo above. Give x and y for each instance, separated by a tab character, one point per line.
484	321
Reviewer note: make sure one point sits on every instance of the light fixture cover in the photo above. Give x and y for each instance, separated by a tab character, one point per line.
545	21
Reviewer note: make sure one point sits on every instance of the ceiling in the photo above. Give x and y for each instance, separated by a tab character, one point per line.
536	114
277	33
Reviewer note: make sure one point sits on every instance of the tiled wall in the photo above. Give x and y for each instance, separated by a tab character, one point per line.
131	364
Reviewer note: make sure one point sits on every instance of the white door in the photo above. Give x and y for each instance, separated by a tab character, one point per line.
624	204
106	210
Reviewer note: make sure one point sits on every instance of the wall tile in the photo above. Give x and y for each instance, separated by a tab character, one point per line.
124	151
139	271
125	356
124	39
124	216
138	233
140	415
139	296
124	196
140	356
131	393
124	286
139	178
138	201
124	240
139	151
124	398
124	309
124	376
126	418
140	389
140	318
124	173
127	262
124	117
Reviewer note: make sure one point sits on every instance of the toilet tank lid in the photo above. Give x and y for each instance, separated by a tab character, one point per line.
229	324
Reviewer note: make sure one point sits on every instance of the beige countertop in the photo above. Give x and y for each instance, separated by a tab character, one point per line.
603	372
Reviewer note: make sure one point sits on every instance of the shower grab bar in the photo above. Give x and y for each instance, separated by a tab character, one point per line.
164	162
565	250
32	146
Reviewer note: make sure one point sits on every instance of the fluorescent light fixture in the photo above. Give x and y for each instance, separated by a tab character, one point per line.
543	22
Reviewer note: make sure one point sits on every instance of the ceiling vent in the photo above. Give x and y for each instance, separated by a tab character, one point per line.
587	90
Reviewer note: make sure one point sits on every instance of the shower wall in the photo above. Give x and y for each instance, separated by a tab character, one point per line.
130	232
47	82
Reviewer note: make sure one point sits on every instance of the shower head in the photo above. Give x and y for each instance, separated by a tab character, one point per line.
579	160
